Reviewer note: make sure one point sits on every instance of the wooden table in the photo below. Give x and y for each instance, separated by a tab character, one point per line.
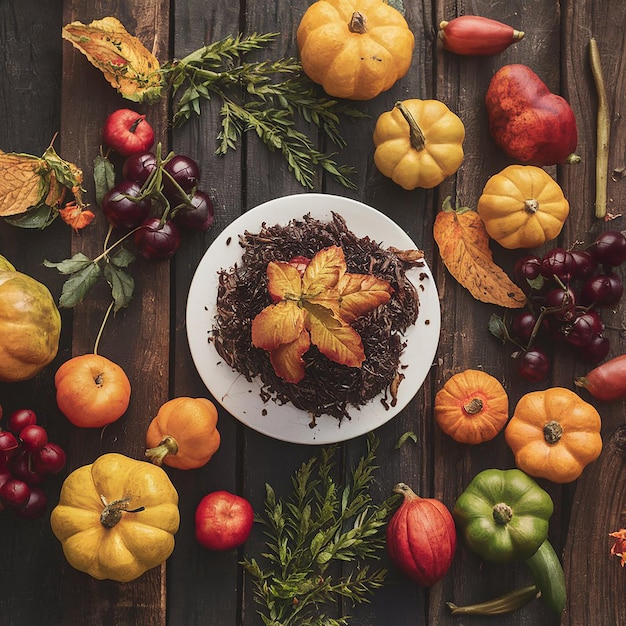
48	87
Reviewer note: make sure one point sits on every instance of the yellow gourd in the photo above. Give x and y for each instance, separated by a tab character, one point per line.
523	207
116	518
355	49
30	325
419	143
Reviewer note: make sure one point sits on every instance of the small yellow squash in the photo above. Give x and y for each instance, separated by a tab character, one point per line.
116	518
355	49
419	143
523	207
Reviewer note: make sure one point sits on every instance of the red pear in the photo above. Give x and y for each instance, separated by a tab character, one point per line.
527	121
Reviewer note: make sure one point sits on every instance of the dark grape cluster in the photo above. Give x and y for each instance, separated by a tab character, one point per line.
157	198
567	291
26	458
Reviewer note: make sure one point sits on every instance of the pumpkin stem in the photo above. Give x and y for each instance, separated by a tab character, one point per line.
552	431
502	513
405	491
474	406
531	205
418	140
357	23
112	512
158	453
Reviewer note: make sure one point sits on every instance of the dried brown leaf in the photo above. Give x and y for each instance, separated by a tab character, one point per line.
464	248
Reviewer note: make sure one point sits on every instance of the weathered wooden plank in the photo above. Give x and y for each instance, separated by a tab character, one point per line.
203	586
597	503
31	73
136	338
463	81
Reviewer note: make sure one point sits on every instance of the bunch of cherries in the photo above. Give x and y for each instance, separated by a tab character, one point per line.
157	198
26	458
567	290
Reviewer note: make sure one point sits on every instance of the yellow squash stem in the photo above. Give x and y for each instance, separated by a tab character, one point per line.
603	131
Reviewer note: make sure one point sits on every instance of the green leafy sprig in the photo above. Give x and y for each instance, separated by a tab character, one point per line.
321	527
265	97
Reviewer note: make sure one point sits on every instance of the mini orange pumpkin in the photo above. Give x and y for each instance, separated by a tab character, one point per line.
184	433
472	407
554	434
92	391
355	49
523	207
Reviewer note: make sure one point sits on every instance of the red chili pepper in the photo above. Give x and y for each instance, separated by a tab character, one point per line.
475	35
607	381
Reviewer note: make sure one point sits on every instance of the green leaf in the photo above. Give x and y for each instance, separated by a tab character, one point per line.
103	177
404	438
78	285
122	286
122	258
497	327
69	266
38	217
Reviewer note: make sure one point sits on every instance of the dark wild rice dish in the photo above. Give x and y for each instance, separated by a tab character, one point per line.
328	387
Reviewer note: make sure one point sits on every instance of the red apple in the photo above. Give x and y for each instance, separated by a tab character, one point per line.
526	120
223	520
127	132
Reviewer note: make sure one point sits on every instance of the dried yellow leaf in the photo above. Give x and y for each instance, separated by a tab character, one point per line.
23	182
464	248
126	64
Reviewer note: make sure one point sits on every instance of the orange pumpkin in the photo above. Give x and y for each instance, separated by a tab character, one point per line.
184	433
554	434
472	407
92	391
355	49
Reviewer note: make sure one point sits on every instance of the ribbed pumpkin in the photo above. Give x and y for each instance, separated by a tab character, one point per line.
355	49
523	207
421	537
554	434
419	143
116	517
472	407
183	434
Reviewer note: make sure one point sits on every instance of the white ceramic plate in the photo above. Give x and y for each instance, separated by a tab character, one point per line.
241	398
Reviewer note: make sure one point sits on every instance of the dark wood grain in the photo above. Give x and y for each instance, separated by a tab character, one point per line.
49	87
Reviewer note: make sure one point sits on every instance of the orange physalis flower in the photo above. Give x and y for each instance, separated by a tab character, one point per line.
75	216
619	545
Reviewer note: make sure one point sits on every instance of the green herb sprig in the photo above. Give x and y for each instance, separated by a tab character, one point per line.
321	527
266	97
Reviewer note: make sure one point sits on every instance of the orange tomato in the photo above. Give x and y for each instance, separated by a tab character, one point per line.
92	391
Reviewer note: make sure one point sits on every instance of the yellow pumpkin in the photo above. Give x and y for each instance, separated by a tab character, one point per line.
355	49
30	325
419	143
523	207
554	434
116	517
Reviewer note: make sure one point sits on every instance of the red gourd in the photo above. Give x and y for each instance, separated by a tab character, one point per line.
476	35
527	121
421	537
606	382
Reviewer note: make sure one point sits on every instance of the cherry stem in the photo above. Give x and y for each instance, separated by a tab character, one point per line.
101	330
